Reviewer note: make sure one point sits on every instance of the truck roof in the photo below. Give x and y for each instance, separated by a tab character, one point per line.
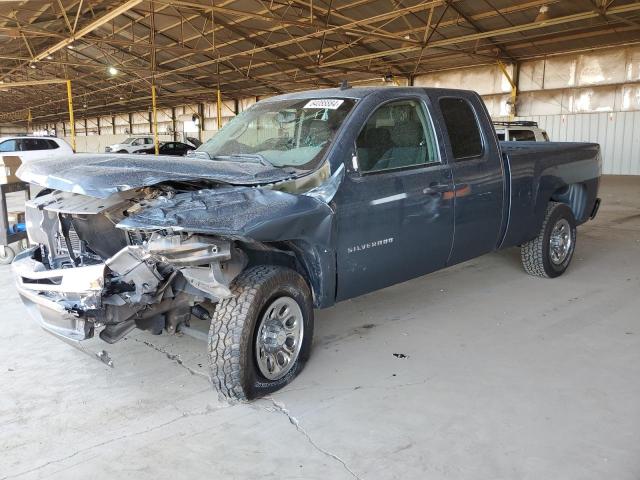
352	92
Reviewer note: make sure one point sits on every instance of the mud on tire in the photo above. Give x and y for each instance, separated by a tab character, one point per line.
232	336
536	254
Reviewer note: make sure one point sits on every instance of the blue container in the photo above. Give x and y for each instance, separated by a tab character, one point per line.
17	228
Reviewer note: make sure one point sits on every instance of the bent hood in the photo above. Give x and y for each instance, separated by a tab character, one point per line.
102	175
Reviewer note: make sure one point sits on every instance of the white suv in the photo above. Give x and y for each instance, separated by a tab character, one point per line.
523	131
30	148
130	145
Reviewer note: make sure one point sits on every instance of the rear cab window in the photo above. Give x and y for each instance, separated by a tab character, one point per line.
462	127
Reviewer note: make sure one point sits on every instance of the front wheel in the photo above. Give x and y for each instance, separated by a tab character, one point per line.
261	337
550	253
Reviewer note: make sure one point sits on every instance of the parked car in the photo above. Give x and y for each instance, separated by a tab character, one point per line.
302	201
130	145
137	144
30	148
169	148
521	131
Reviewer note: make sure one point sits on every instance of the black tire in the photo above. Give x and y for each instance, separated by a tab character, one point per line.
232	359
537	255
122	151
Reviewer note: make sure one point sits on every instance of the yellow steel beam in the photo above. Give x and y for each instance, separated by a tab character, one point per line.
155	119
514	88
219	108
71	119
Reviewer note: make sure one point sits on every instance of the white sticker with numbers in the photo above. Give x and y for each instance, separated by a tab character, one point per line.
330	103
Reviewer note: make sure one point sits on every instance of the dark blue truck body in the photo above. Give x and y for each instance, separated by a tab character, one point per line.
409	181
354	231
439	215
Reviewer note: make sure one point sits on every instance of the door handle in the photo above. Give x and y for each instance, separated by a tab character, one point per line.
436	188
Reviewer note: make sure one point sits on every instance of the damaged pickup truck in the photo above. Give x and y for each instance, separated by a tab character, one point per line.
301	201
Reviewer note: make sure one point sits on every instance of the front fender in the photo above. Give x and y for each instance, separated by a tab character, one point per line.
242	213
251	215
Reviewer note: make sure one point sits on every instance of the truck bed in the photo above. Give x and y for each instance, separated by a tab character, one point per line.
548	170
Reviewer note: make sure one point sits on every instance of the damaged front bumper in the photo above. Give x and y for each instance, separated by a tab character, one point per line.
128	289
58	299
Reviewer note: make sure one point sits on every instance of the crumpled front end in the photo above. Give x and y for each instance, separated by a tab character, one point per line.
86	274
152	257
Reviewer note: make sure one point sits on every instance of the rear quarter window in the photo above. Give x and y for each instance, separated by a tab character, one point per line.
462	127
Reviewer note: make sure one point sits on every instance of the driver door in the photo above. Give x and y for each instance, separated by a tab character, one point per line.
395	211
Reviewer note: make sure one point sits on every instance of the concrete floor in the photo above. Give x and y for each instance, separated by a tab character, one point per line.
506	376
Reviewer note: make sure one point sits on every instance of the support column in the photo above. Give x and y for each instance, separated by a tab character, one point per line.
155	119
72	120
201	115
219	108
514	88
174	124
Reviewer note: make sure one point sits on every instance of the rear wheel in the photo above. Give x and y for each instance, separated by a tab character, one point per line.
550	253
260	338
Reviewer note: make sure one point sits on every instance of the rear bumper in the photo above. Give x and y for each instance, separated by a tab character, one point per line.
59	299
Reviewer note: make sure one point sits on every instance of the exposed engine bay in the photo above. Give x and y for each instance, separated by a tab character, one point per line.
106	274
137	243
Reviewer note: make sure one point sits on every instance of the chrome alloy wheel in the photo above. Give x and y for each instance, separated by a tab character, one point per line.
560	241
279	338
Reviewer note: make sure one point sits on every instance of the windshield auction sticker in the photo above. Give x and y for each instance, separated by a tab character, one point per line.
330	103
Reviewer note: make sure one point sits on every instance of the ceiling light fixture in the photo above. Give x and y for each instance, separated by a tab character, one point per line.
543	14
113	71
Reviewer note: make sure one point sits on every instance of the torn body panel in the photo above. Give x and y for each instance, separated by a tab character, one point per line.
250	214
145	257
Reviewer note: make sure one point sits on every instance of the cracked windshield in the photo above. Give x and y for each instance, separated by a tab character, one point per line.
289	133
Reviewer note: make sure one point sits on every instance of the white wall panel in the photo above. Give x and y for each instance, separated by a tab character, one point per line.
618	134
486	80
